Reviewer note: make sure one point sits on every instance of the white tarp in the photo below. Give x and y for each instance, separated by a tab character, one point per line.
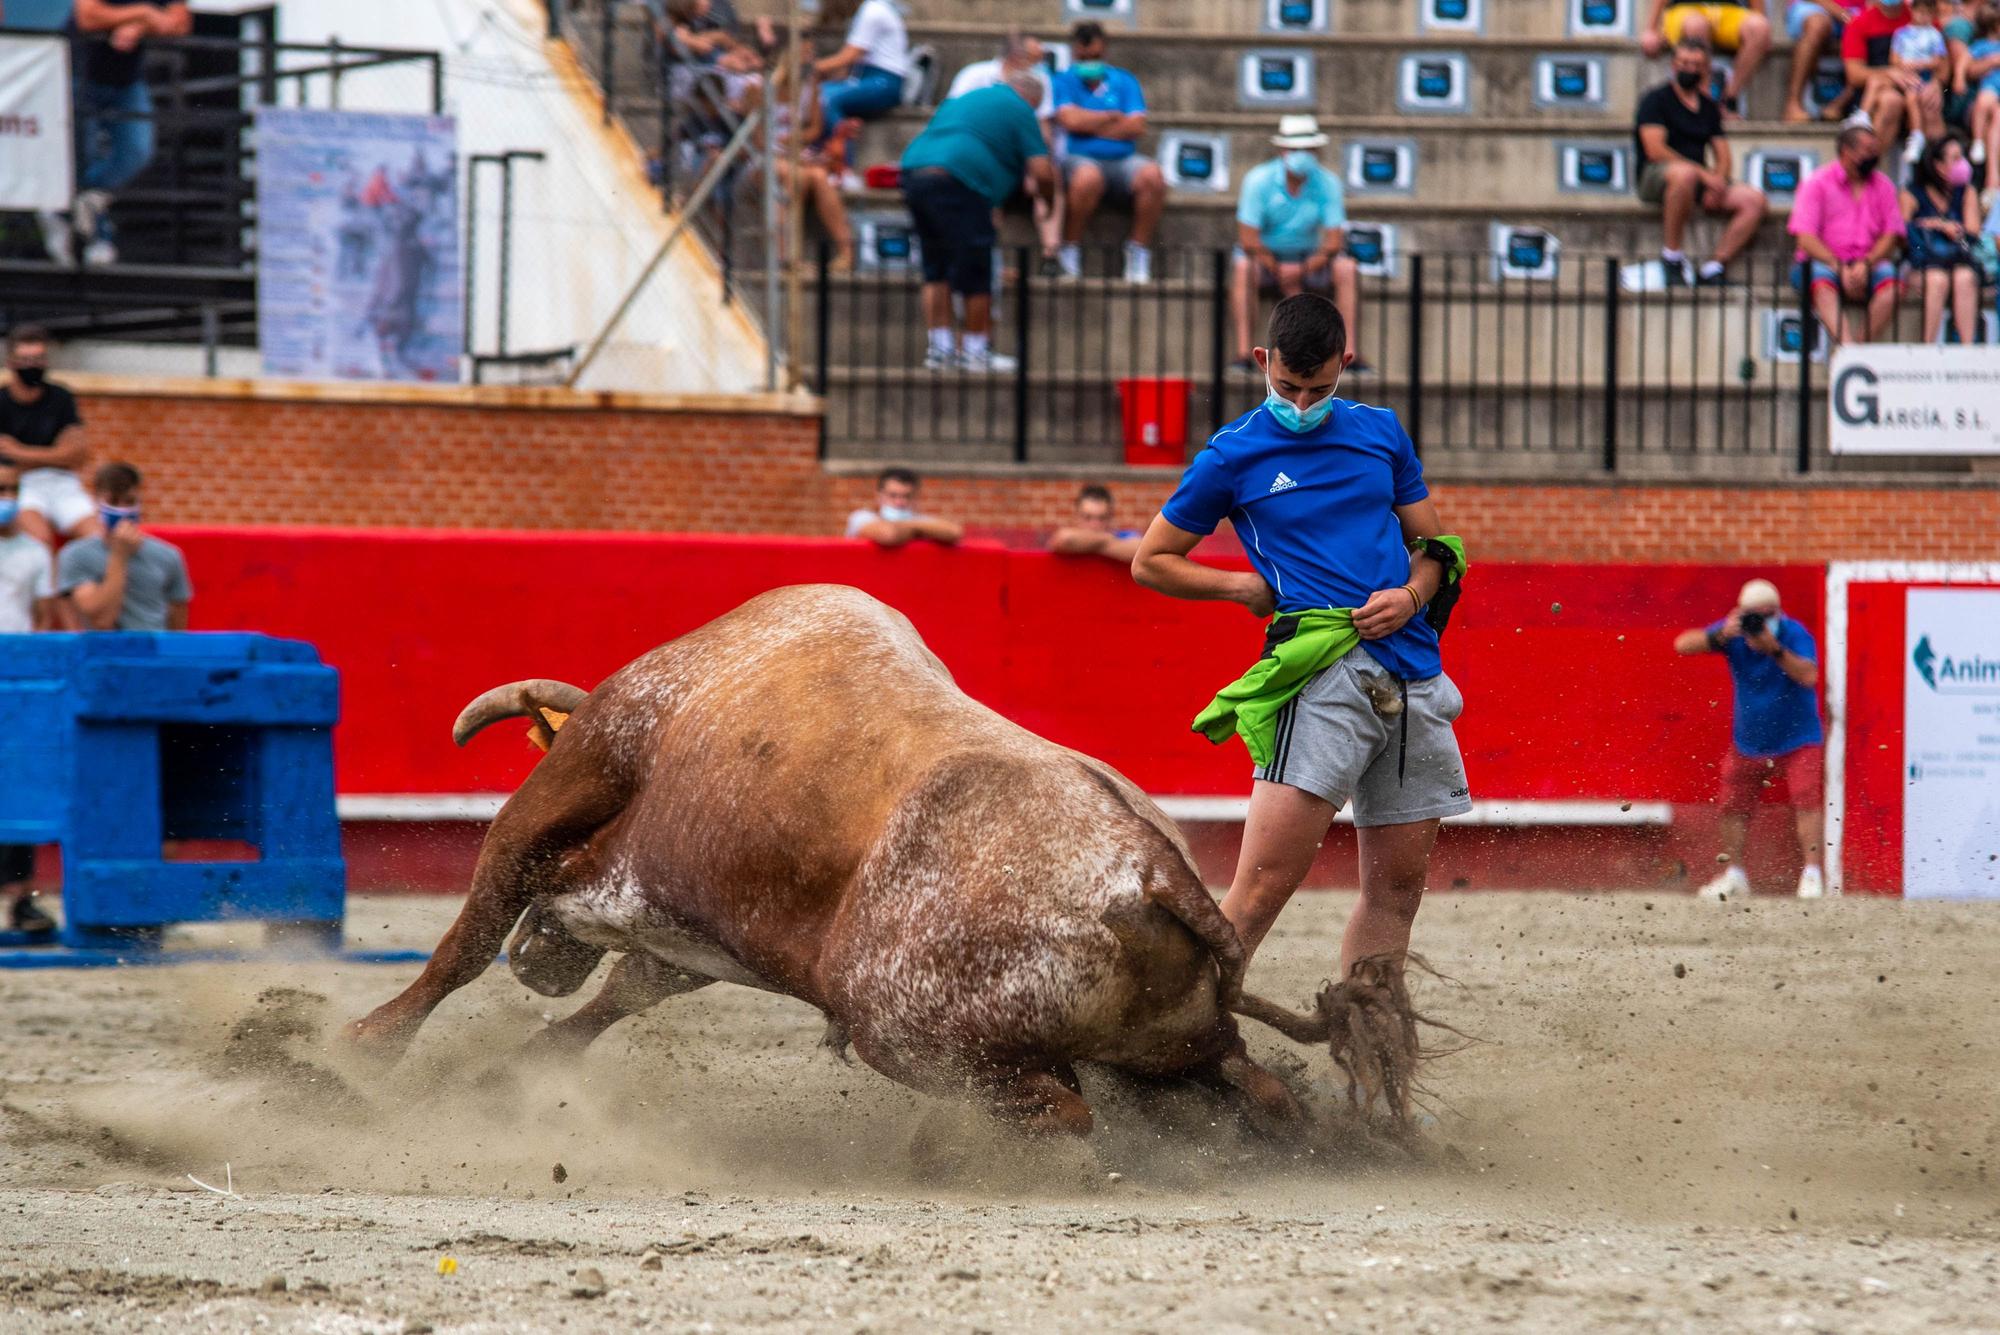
1951	743
36	146
1914	398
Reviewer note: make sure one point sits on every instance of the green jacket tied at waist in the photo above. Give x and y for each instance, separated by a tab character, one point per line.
1249	705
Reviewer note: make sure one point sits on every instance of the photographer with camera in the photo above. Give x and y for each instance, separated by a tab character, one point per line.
1775	666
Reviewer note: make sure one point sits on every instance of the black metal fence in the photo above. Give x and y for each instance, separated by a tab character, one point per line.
1585	363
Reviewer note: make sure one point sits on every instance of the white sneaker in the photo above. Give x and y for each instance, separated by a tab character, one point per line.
1732	884
987	362
1071	260
1138	263
1978	153
1812	884
940	359
1913	147
99	253
851	182
57	238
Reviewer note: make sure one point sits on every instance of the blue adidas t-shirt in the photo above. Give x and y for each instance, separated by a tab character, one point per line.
1774	714
1315	512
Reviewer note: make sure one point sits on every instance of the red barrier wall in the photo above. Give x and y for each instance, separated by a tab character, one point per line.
1587	701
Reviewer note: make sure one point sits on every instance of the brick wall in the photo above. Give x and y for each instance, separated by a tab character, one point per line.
504	457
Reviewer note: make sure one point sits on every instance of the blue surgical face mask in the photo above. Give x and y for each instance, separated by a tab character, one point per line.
114	515
9	508
1090	71
1294	418
897	514
1301	163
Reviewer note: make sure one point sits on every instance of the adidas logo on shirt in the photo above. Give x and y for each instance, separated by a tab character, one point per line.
1283	483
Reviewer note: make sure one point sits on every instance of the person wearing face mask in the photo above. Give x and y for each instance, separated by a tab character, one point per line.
41	433
1101	111
1687	160
1849	223
27	603
1349	700
1942	211
895	519
1291	221
1776	738
128	579
1888	95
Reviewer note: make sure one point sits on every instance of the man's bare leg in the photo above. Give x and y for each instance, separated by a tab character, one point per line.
1730	832
1811	825
1281	836
1395	864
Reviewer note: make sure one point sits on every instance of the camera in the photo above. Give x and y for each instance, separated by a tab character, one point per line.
1752	623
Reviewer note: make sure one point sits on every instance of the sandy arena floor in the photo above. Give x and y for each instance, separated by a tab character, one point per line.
1778	1116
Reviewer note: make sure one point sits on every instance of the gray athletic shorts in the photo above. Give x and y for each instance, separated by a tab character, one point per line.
1331	743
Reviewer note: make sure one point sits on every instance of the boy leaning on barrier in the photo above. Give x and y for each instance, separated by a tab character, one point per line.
27	603
127	579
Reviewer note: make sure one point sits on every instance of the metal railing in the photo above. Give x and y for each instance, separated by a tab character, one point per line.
1576	371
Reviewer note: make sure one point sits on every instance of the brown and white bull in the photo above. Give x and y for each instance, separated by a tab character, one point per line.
797	797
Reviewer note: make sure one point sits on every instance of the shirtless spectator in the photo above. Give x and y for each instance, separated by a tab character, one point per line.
895	520
41	433
1091	532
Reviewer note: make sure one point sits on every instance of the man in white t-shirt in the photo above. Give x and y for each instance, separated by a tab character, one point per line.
27	603
1023	55
864	79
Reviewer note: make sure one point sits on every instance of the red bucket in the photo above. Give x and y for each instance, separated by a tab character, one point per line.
1156	419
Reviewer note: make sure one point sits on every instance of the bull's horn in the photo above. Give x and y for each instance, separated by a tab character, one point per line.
513	700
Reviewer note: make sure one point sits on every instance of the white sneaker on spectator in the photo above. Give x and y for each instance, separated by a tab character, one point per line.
57	238
940	359
1812	883
1138	263
1978	154
851	182
98	253
987	362
1913	147
1732	884
1070	257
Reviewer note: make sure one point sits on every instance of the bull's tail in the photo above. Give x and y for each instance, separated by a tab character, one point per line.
548	703
1184	897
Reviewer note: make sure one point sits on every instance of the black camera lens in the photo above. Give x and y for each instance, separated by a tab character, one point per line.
1753	623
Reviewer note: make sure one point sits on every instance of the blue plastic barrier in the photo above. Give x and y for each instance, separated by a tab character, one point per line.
114	743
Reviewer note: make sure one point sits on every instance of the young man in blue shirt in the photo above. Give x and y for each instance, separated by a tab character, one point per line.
1330	502
1777	735
1291	227
1102	114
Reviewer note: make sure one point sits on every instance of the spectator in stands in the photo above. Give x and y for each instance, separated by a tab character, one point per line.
27	603
1774	665
968	160
1848	223
1812	25
1942	212
114	113
41	433
1979	75
1102	114
864	78
1737	26
1291	221
895	520
818	184
1866	49
1023	55
708	32
1091	532
1685	162
127	579
1917	52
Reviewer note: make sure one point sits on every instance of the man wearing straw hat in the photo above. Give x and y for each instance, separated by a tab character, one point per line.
1291	221
1777	736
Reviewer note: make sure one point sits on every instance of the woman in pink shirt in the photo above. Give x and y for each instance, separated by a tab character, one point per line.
1849	224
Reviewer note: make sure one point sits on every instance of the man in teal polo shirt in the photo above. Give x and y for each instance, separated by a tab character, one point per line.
964	165
1291	224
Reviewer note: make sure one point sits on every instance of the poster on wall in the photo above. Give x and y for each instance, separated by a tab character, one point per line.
1951	744
36	146
1914	398
358	269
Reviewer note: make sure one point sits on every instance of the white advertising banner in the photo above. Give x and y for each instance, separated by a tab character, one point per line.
1951	744
1914	398
36	147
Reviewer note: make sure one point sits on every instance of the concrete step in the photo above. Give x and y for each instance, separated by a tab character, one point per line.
1538	19
1373	73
